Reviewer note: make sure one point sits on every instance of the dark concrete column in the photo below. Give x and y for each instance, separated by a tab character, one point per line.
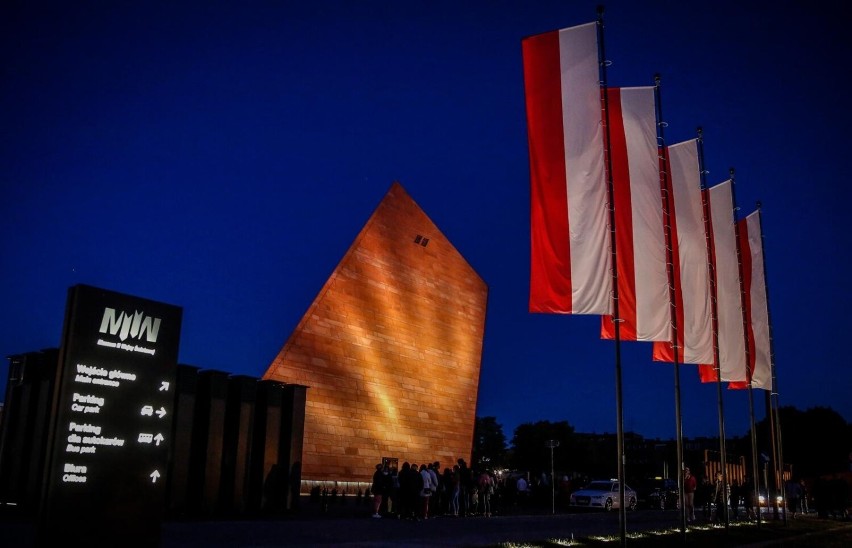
239	411
177	492
207	443
292	439
265	490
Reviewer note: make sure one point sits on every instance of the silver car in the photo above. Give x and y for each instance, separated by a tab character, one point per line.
602	494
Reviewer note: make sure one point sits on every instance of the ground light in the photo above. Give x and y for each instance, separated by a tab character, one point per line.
616	538
563	542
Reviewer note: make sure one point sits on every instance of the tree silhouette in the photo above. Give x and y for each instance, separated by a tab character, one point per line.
489	444
815	441
530	450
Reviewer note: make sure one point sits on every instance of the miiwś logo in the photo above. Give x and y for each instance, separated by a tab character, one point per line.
135	326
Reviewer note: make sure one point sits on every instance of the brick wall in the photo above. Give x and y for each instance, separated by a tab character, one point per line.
390	350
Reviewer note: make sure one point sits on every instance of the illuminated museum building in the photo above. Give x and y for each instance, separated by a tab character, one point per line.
389	350
384	364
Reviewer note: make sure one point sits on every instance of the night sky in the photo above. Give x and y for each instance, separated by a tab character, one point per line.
222	157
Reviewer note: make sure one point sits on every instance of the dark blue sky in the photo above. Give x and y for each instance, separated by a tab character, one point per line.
222	156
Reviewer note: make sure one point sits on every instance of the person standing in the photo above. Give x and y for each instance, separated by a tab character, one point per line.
436	488
455	490
408	489
426	491
521	488
720	498
707	488
804	499
735	501
689	487
748	498
391	493
465	485
378	489
416	489
486	488
794	495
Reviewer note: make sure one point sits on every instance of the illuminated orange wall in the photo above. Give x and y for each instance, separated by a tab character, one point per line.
390	350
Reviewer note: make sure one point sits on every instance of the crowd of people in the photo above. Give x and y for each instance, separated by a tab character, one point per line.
425	490
715	497
421	491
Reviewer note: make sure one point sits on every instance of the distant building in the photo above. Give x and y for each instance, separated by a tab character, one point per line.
389	350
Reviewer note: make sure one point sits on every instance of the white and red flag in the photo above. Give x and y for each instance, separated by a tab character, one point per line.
729	308
569	229
757	304
643	286
689	248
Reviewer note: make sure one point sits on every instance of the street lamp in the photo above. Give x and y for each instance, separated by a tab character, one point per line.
552	444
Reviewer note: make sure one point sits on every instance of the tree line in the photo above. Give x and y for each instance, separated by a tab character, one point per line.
815	442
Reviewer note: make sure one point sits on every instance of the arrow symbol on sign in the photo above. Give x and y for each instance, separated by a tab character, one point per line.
164	386
161	412
158	438
154	475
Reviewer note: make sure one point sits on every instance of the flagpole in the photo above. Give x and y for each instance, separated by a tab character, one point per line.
754	467
616	319
665	192
772	394
782	488
749	372
723	456
781	484
770	417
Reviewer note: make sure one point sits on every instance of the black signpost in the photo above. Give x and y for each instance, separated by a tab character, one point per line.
112	420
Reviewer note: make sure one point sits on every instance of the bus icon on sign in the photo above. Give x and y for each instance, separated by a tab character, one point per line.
146	438
147	411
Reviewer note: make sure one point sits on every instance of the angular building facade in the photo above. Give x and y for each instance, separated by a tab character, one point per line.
389	350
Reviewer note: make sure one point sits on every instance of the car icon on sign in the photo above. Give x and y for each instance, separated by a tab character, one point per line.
147	410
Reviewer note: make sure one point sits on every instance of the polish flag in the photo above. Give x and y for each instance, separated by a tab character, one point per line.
757	308
729	301
689	247
643	285
569	229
